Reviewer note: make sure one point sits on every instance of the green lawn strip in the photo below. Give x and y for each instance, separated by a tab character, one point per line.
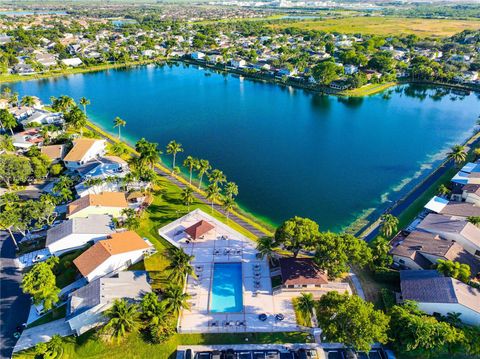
54	314
372	285
134	346
65	270
368	90
303	319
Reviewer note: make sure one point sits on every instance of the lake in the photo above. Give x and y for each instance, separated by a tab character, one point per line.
290	151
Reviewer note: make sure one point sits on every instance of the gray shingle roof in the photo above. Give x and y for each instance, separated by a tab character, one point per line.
93	224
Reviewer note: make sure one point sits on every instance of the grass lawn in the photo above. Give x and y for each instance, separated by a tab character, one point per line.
378	25
65	270
368	90
88	346
372	286
56	313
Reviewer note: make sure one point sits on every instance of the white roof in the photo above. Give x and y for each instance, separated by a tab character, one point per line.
436	204
461	177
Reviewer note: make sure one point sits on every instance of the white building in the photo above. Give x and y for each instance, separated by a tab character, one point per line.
87	304
197	55
436	294
73	62
77	232
84	150
109	203
112	255
238	63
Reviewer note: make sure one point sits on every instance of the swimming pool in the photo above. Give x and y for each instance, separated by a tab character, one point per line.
226	295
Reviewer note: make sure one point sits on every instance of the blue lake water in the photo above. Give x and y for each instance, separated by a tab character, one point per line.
290	151
227	288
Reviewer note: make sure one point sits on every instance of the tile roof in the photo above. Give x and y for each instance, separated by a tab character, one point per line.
117	243
472	188
301	271
104	199
80	148
199	229
428	286
53	152
461	209
438	223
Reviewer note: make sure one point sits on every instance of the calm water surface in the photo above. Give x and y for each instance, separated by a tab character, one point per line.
291	152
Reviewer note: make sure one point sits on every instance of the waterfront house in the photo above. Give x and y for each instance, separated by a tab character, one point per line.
86	305
238	63
42	117
23	69
436	294
471	193
197	55
84	150
109	203
73	62
460	210
464	233
302	274
108	256
339	85
21	112
422	250
77	232
46	59
104	167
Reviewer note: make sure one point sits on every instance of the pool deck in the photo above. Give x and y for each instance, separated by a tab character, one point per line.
222	244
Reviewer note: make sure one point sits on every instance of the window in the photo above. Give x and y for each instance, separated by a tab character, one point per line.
477	253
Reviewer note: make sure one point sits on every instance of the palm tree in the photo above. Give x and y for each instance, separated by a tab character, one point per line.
213	193
187	197
179	265
190	163
28	101
389	224
203	168
84	102
475	220
443	190
217	177
13	100
228	205
173	148
458	154
7	120
175	298
265	247
123	318
149	152
118	149
231	189
306	303
118	122
457	270
476	153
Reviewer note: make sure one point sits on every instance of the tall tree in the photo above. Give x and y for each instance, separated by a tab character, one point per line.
63	189
231	189
179	266
217	177
189	163
380	253
173	148
228	205
28	101
458	154
119	123
297	233
203	168
213	194
76	119
84	102
187	197
7	120
122	318
14	169
149	153
266	247
40	283
306	303
350	320
175	298
388	224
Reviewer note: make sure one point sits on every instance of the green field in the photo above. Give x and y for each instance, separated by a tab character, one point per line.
377	25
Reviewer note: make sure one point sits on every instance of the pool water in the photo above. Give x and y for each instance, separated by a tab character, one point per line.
226	295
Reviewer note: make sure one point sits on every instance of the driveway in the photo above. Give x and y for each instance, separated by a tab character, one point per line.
42	334
14	305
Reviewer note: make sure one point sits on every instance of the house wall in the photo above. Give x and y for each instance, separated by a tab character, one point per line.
407	262
472	198
111	211
115	263
468	316
97	149
72	242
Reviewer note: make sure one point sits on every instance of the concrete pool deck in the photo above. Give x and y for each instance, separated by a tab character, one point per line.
222	244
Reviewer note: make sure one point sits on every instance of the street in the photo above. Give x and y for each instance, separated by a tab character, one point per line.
14	305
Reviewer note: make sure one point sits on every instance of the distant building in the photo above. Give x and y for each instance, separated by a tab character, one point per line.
86	305
73	62
197	55
28	138
436	294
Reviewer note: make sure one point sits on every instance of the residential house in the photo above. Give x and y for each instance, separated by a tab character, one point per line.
471	193
300	274
28	138
23	69
22	112
469	174
422	250
73	62
77	232
46	60
350	69
109	203
460	210
54	152
42	117
84	150
238	63
436	294
111	255
464	233
197	55
86	305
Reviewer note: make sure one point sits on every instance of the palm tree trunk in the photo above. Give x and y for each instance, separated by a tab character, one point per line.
173	164
200	181
191	170
13	237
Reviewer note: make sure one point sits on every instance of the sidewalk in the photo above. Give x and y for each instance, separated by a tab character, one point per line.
42	334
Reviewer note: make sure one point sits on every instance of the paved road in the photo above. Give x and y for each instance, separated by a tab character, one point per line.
14	305
233	217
